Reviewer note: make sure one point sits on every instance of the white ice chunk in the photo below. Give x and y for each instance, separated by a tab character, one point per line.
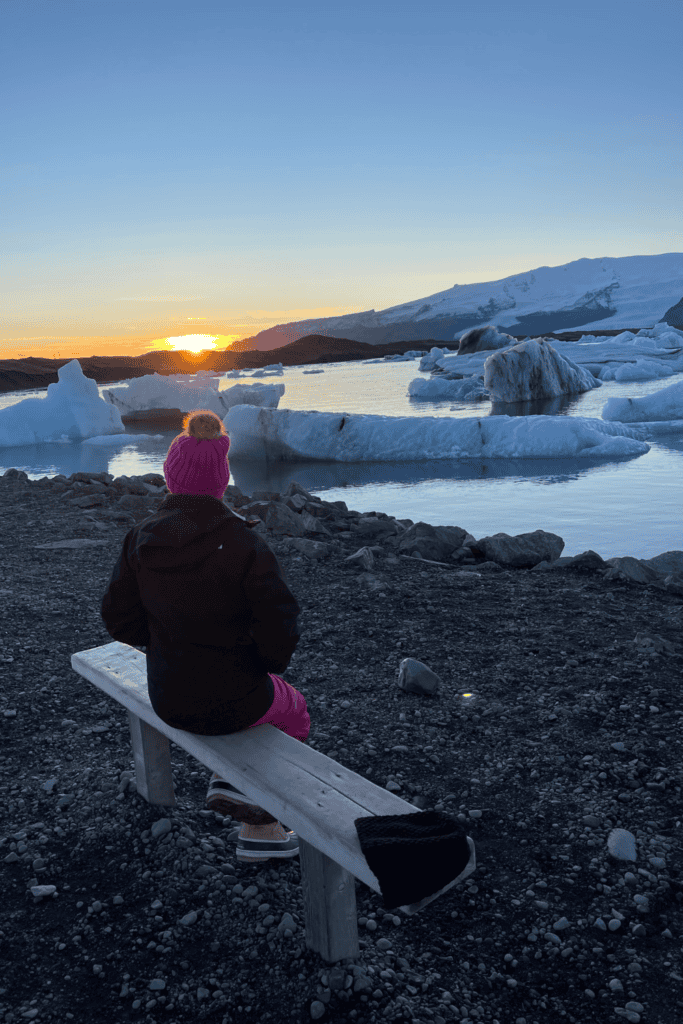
71	411
314	371
643	369
442	388
282	435
534	370
155	391
272	370
666	404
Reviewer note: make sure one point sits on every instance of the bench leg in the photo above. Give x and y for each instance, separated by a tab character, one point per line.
152	753
329	893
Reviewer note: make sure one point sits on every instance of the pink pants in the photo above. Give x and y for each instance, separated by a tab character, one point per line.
288	711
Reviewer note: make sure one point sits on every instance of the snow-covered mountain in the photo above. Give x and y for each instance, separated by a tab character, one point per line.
630	291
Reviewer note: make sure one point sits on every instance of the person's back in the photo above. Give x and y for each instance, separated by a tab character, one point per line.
207	598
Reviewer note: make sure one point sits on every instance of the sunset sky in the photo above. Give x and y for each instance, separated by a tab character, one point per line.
212	168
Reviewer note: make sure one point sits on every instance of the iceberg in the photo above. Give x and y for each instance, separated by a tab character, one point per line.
281	435
532	370
666	404
72	411
650	354
444	387
156	391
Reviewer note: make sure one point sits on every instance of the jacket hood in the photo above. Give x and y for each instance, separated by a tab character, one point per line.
184	530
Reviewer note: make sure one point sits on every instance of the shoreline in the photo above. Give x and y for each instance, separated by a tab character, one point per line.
539	768
33	372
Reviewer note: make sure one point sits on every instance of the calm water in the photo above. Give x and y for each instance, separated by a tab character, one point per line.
631	507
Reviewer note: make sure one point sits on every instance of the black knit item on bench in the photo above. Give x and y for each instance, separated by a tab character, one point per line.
414	856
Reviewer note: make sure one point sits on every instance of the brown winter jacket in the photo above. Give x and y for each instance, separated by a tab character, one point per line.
208	599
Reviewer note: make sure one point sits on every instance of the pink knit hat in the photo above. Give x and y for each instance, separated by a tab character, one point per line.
198	464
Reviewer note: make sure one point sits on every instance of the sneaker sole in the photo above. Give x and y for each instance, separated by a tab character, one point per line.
258	850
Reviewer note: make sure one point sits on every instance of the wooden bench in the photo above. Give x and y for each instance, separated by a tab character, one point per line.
317	797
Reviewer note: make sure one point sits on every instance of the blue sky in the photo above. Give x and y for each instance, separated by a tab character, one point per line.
175	166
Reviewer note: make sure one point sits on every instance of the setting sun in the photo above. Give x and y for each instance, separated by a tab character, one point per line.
192	342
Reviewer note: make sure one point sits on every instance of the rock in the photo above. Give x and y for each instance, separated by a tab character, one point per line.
157	985
160	828
276	517
433	542
592	820
363	557
189	919
632	568
525	550
49	785
311	548
560	925
622	845
43	890
415	677
481	339
533	370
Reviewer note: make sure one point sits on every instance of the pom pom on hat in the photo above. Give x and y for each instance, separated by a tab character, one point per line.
197	462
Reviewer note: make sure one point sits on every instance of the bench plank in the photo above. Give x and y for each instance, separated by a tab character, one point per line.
317	797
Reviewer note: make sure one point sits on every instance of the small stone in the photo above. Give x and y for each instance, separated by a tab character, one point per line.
635	1007
11	857
43	890
614	925
618	746
639	931
615	985
49	785
317	1009
117	901
10	714
658	862
189	918
97	968
591	820
97	907
622	844
599	923
475	814
157	985
161	828
560	925
202	994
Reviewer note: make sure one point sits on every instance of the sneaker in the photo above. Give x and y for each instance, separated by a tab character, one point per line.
227	800
256	843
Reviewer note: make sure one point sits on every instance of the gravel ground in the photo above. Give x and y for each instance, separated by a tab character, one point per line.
571	732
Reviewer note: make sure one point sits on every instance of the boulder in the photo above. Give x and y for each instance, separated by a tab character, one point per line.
415	677
523	551
311	548
276	517
432	542
634	569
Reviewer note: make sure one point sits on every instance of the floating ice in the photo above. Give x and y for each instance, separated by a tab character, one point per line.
71	411
666	404
156	391
281	435
534	370
444	387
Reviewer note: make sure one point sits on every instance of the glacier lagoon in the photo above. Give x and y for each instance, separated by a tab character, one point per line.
630	506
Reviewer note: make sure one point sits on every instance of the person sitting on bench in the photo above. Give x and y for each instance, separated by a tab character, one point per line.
208	600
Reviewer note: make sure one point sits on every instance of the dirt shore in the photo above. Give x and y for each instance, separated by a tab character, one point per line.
573	731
